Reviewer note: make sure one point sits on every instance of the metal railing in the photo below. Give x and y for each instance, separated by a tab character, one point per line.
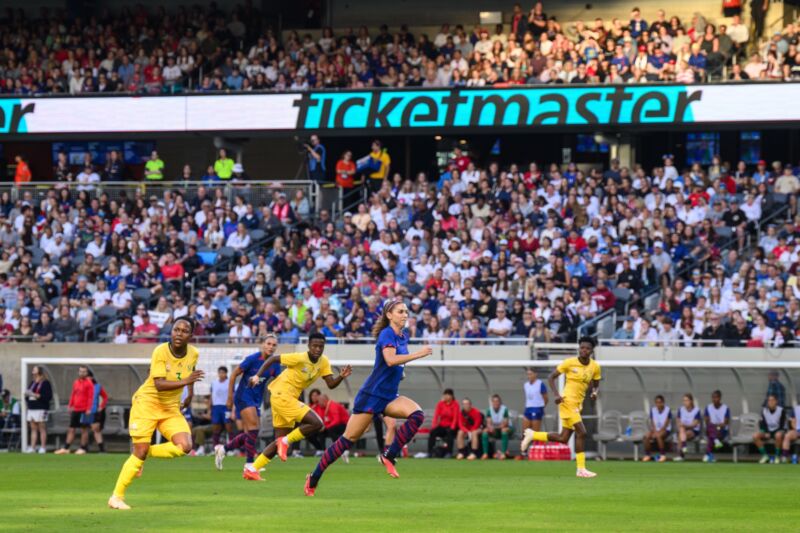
256	192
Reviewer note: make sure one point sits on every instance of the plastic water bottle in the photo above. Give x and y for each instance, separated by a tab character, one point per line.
794	458
628	431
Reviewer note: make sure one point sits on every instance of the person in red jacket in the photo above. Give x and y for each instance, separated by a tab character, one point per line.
445	422
603	296
470	422
80	405
334	417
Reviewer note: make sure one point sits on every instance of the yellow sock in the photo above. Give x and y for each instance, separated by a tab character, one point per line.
260	462
165	450
126	475
540	436
294	436
580	458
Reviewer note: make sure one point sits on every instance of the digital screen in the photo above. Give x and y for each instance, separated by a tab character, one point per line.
587	145
701	147
133	152
750	144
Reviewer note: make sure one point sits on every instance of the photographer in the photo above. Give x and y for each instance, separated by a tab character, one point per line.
316	159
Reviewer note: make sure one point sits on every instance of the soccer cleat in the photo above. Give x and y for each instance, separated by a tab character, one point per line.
28	450
251	475
346	457
80	451
784	459
582	472
709	458
764	460
41	450
646	459
283	448
308	489
718	444
118	503
526	441
390	469
662	459
62	451
219	456
471	457
679	459
484	457
460	456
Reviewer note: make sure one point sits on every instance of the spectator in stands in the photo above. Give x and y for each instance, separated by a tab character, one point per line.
154	168
660	430
315	159
80	406
334	417
717	417
65	327
497	425
470	422
445	423
240	333
146	332
378	164
223	166
775	388
771	427
38	395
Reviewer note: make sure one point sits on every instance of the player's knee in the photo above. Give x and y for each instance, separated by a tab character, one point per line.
316	426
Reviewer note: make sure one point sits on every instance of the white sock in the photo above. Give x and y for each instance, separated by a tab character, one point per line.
250	467
285	440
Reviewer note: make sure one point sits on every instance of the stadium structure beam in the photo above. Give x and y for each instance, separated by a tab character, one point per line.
435	376
485	383
790	383
690	380
640	378
738	377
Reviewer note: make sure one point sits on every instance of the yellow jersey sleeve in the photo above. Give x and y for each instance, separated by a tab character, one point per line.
563	366
324	367
597	374
293	359
158	363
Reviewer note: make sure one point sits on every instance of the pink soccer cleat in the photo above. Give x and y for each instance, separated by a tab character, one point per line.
308	489
283	448
582	472
390	469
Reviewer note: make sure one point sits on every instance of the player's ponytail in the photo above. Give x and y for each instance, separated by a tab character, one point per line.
383	320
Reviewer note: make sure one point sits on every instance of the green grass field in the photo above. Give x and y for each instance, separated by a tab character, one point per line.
52	493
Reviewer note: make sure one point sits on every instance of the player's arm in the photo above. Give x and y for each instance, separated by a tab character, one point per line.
231	385
545	398
393	359
595	389
271	360
333	382
187	402
162	384
551	380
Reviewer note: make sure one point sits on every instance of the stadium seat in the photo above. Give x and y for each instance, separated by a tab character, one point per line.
57	424
141	294
623	296
637	422
115	421
107	312
257	234
748	426
609	429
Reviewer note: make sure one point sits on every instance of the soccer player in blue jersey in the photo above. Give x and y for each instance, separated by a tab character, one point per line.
247	401
379	394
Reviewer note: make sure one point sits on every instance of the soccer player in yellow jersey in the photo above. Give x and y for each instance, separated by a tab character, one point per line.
300	371
157	405
582	373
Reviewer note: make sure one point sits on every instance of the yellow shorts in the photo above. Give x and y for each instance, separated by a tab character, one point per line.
146	418
570	415
287	411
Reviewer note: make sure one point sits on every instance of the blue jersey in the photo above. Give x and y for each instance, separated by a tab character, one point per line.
384	381
249	367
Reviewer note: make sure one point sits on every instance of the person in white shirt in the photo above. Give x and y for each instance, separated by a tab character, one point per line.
97	247
239	240
660	428
218	405
121	299
738	32
240	332
325	261
101	296
500	326
761	331
690	423
751	208
668	333
535	401
87	179
647	334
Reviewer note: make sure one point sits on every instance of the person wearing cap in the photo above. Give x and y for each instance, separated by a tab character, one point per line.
223	166
154	168
661	260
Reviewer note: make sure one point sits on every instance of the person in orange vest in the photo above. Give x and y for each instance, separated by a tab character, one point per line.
23	171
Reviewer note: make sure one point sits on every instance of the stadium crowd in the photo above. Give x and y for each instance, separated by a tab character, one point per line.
480	251
205	49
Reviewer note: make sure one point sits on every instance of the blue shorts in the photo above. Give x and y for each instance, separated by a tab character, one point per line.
367	403
242	404
187	414
220	415
534	413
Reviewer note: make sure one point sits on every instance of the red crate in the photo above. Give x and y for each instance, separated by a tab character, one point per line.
549	451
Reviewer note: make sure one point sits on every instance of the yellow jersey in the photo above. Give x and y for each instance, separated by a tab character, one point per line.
299	373
163	364
578	377
385	160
